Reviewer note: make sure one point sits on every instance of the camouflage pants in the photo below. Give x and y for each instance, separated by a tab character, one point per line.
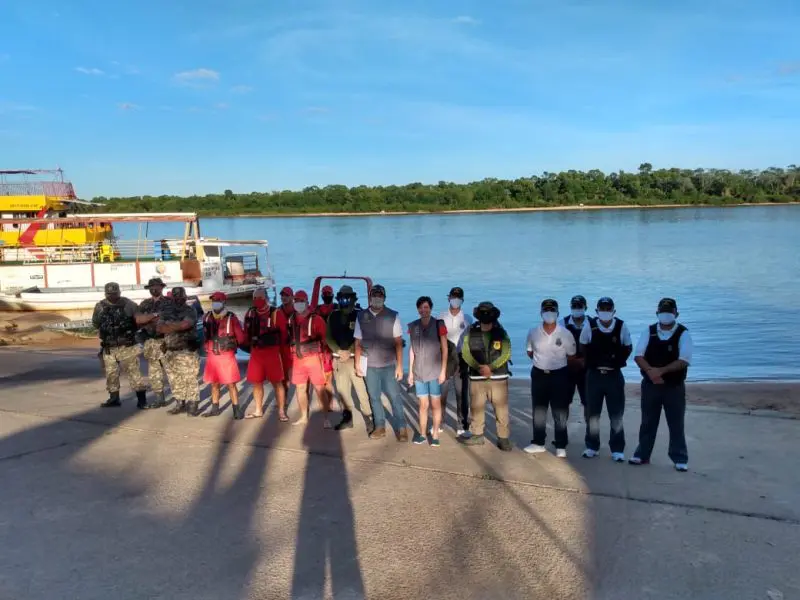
126	357
155	356
183	368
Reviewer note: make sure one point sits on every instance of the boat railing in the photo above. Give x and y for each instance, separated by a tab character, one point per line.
104	251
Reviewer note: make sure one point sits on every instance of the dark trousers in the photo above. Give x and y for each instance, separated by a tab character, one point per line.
608	386
577	379
550	389
460	383
672	398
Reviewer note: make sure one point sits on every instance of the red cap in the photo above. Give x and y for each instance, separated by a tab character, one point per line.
287	291
218	297
327	290
301	296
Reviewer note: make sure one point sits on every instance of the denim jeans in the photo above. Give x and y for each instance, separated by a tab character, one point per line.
381	380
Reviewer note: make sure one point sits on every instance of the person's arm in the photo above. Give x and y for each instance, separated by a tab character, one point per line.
571	348
410	364
445	351
96	315
627	343
143	314
238	331
319	327
529	344
334	347
358	349
466	354
684	356
505	354
639	359
397	331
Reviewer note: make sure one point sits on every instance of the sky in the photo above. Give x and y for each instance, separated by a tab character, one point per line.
198	96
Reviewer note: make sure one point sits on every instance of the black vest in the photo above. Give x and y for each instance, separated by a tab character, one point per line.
343	331
220	333
569	323
482	354
660	353
606	349
116	328
262	329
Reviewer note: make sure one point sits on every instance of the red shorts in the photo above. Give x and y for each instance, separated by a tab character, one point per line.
308	368
266	364
221	368
327	363
287	357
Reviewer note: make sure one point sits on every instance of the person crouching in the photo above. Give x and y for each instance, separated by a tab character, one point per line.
222	333
307	338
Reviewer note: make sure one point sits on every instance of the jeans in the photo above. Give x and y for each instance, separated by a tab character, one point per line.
608	386
461	384
550	389
672	398
381	380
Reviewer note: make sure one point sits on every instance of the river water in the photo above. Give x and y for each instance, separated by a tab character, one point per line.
735	272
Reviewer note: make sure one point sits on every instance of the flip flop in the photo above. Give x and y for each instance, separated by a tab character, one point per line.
253	416
283	418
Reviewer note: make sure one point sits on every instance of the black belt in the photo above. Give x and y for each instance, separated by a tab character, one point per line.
548	371
605	370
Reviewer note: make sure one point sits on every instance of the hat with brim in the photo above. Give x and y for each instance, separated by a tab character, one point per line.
155	282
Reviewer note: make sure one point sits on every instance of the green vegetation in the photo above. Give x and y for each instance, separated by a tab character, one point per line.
571	188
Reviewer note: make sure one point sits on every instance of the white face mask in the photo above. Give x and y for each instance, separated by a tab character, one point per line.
376	303
666	318
549	317
578	313
217	306
300	306
456	302
605	315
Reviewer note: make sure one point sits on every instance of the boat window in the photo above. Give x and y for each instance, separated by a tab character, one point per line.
211	251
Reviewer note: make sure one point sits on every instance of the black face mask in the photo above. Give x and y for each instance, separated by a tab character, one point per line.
113	298
485	318
179	300
346	302
327	299
155	292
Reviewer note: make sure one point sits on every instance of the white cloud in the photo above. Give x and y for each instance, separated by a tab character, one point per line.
197	76
89	71
222	106
241	89
129	106
466	20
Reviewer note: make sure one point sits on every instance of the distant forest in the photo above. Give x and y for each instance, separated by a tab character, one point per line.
570	188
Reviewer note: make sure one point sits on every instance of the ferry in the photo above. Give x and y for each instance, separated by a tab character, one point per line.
56	257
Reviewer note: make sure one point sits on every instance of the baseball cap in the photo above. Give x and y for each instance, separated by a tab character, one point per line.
578	302
300	296
218	297
154	282
605	302
378	290
327	290
667	305
111	287
549	304
456	292
287	291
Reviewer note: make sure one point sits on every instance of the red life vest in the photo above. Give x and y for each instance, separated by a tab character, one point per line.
220	333
325	310
262	328
300	337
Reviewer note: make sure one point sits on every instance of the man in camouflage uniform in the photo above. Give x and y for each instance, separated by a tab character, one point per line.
177	323
154	350
114	318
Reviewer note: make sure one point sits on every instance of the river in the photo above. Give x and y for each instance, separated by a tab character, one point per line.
735	272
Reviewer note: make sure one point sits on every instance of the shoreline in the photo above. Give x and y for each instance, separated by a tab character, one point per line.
524	209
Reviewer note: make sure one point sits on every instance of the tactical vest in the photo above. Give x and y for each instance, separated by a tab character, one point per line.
300	336
149	306
220	333
660	353
482	354
182	341
569	323
343	330
262	328
377	336
116	328
606	349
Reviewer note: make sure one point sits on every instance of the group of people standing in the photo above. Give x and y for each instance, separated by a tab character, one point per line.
340	350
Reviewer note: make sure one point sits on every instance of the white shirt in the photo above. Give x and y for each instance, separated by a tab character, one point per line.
550	351
397	328
457	326
685	345
586	331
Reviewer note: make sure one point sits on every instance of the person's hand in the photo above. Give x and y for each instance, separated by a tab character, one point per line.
442	377
410	379
655	375
344	355
359	372
580	363
398	373
485	371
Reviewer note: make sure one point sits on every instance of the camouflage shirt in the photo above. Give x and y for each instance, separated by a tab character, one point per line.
115	322
181	340
150	306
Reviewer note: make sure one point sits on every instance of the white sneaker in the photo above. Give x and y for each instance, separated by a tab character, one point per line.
618	457
682	467
535	449
589	453
463	433
561	453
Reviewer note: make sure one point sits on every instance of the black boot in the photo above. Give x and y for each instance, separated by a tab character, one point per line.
180	406
346	422
214	412
192	409
141	399
113	400
160	401
370	423
238	412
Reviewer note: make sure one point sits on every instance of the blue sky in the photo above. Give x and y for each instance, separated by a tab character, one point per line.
195	96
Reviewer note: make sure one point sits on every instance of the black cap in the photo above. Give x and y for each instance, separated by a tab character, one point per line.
111	288
346	290
667	305
549	304
605	302
456	292
378	290
154	281
486	307
578	302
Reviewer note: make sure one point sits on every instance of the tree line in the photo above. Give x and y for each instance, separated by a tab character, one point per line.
569	188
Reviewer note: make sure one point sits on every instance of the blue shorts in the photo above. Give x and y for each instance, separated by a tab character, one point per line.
428	388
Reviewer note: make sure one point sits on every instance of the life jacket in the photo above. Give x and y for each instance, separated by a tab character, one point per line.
220	333
606	349
343	330
660	353
484	355
262	328
325	310
116	328
300	337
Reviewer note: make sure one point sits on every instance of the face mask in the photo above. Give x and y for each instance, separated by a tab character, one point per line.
179	300
456	302
485	318
113	298
345	303
376	303
155	292
666	318
217	306
300	306
605	315
327	299
259	302
578	313
549	317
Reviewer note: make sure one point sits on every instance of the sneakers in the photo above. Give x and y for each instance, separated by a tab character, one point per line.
635	460
535	449
561	453
463	433
618	457
435	443
402	435
378	433
504	444
418	439
682	467
589	453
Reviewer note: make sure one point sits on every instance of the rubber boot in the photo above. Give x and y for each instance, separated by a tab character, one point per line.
160	402
215	411
370	423
192	409
141	399
180	406
346	422
113	400
238	412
